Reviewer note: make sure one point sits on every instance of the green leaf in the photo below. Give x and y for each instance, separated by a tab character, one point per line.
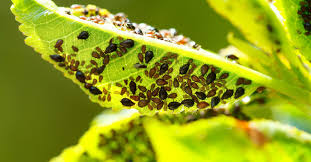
223	138
261	25
293	19
121	137
45	24
254	19
126	136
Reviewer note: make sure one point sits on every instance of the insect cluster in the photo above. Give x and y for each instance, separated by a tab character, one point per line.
155	80
121	22
305	13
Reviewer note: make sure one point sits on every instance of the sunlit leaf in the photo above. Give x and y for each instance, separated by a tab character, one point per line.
295	14
223	138
130	137
81	48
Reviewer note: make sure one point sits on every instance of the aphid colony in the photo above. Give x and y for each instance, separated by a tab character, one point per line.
172	84
121	22
153	80
130	142
305	13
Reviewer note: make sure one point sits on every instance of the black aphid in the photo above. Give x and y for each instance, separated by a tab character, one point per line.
129	43
307	26
188	102
84	35
184	69
100	69
111	48
239	92
215	101
162	93
127	102
80	76
163	68
95	90
148	56
130	26
57	58
227	94
210	78
201	95
173	105
133	87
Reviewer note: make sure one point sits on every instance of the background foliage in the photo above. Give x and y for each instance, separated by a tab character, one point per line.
37	121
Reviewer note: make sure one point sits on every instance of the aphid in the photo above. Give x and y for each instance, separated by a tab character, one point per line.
148	56
215	101
57	58
194	85
173	105
142	88
140	66
160	105
83	35
133	87
80	76
100	69
240	81
130	26
188	102
152	72
173	95
204	69
239	92
95	54
224	76
176	83
201	95
140	57
106	60
195	78
232	57
184	69
59	43
161	82
247	82
210	78
188	90
155	92
211	93
95	90
227	94
143	103
162	93
163	68
129	43
138	31
202	105
166	77
127	102
156	100
111	48
260	89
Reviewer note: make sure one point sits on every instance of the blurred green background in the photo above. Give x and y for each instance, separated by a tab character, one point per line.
41	111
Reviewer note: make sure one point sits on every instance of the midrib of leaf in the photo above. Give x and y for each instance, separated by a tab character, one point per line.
31	13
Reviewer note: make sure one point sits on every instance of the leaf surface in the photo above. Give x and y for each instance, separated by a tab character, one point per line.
295	18
173	138
120	82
